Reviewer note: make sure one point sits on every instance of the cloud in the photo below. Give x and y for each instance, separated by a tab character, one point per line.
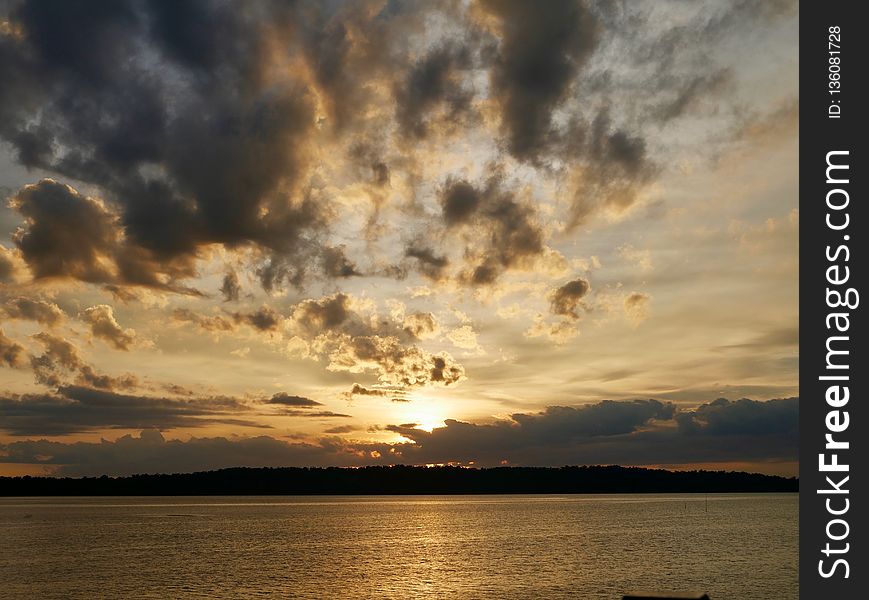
335	329
341	429
690	93
637	307
69	235
62	359
433	82
262	319
65	233
421	325
506	231
611	165
150	452
236	127
336	264
464	337
395	363
539	54
103	324
195	99
230	287
60	356
12	354
429	263
10	265
77	409
326	314
213	323
395	394
560	332
44	313
284	399
638	432
460	200
359	390
566	299
726	417
318	414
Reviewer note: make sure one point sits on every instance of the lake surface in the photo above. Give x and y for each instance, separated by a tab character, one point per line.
530	546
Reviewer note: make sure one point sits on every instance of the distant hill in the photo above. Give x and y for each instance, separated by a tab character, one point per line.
403	480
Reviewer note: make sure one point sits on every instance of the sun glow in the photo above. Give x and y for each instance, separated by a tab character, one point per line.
425	413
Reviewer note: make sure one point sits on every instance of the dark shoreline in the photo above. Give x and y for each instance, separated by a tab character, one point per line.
404	480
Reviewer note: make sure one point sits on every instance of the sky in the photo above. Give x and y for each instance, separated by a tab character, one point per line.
381	232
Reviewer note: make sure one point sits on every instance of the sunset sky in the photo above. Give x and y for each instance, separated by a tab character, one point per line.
326	233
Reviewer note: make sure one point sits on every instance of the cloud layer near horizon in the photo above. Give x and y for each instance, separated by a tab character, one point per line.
639	432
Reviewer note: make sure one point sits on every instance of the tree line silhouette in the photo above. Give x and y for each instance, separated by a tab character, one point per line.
402	479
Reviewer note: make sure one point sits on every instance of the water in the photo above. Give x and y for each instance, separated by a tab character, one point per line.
579	547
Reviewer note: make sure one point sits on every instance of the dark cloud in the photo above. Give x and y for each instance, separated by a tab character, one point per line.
395	394
123	294
191	141
90	377
566	299
433	82
341	429
44	313
285	399
200	124
103	324
639	432
336	264
744	416
612	166
230	287
506	231
380	173
65	233
327	314
460	200
339	65
555	426
76	409
429	263
62	360
539	55
263	319
12	354
359	390
60	356
213	323
317	414
152	453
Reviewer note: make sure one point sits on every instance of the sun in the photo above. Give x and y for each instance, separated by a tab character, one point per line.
426	414
429	424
